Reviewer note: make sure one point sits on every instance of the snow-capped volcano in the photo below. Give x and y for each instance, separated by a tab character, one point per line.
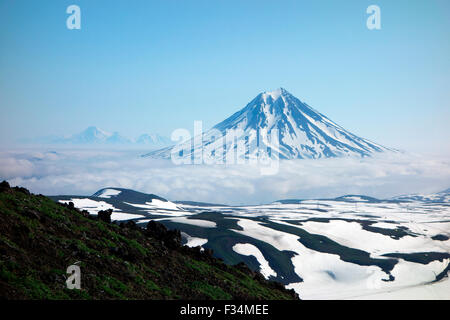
302	131
90	135
93	135
154	140
97	137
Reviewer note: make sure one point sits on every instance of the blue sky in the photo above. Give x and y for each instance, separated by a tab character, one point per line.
153	66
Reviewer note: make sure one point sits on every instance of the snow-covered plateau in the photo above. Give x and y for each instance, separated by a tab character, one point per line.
350	247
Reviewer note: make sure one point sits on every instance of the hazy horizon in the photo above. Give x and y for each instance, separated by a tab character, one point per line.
152	67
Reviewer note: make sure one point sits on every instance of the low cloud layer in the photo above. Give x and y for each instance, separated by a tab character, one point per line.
82	172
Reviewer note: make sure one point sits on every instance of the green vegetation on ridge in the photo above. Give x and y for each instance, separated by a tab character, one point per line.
39	239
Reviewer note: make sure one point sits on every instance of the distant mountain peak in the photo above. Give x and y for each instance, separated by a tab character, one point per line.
95	130
90	135
93	135
154	140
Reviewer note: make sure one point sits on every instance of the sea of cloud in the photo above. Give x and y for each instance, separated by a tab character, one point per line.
84	171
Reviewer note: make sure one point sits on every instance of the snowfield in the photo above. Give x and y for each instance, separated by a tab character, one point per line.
349	248
90	205
157	204
351	233
327	276
194	222
93	207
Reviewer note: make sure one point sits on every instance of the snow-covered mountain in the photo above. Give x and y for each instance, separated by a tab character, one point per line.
154	140
91	135
302	132
96	136
121	194
439	197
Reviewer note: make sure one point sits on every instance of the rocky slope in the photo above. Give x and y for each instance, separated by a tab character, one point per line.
39	239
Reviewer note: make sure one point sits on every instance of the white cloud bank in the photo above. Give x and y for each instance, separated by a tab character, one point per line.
82	172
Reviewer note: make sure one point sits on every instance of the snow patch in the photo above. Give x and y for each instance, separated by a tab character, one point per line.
108	193
193	241
156	204
92	206
194	222
248	249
